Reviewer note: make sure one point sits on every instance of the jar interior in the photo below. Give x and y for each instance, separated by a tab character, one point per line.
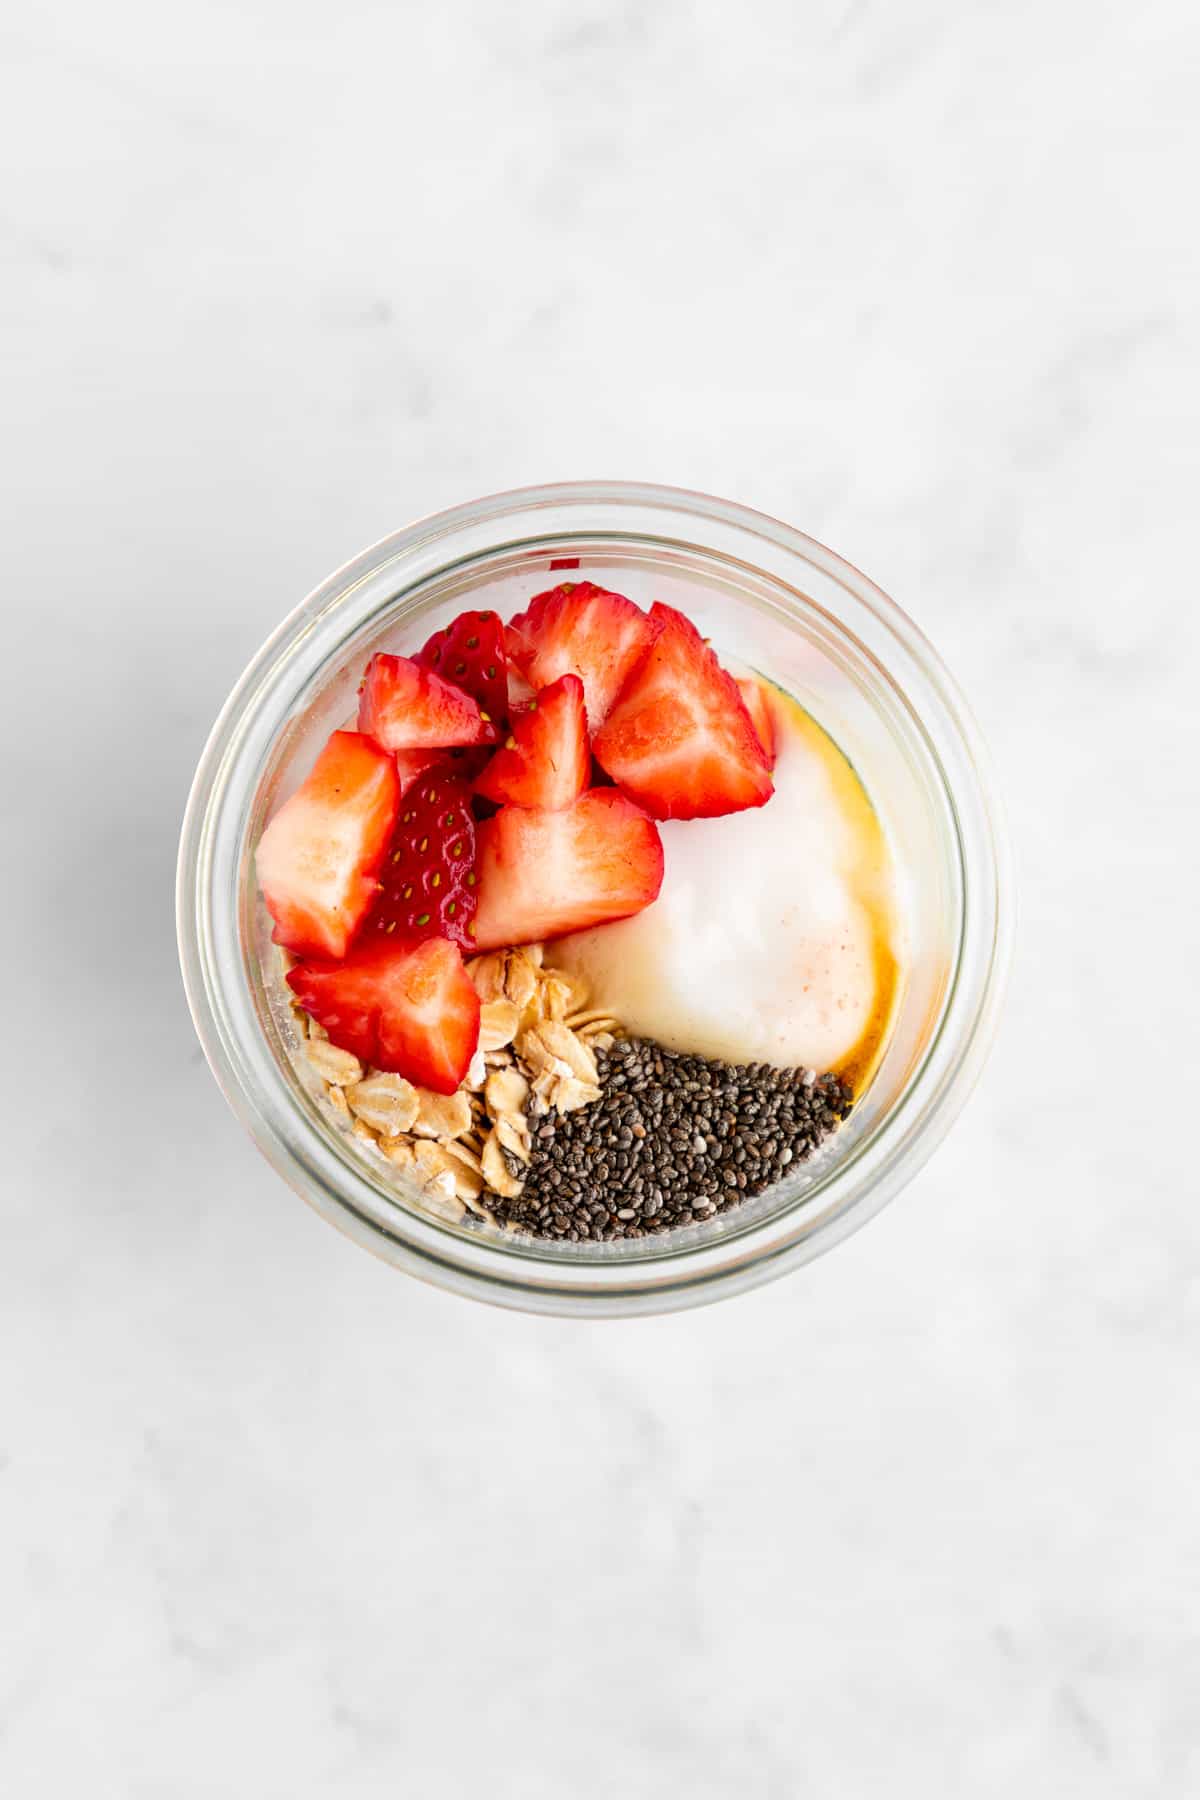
792	637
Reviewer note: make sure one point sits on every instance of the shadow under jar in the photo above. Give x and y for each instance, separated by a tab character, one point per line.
768	597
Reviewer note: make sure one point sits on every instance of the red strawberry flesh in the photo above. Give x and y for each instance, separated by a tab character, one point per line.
427	879
412	764
466	764
406	707
543	873
469	653
410	1008
546	761
580	629
758	705
317	859
679	740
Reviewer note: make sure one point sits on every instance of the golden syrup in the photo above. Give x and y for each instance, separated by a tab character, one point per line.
869	874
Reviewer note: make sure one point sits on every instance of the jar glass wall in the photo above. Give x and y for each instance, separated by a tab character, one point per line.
769	597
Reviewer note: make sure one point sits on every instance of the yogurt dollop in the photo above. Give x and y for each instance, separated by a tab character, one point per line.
774	938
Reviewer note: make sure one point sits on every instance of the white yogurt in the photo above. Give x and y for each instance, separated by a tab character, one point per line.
773	939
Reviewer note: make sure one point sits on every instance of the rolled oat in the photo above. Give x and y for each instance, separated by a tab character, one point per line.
442	1115
499	1021
386	1102
338	1067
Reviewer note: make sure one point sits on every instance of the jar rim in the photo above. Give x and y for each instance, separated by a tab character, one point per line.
665	1277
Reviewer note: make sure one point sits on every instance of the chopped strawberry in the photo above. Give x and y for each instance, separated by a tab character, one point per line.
546	761
545	873
412	764
411	1008
469	653
466	764
405	707
427	881
758	704
580	629
318	857
679	740
520	691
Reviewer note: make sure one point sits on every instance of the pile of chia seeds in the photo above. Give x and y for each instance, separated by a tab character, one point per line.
673	1140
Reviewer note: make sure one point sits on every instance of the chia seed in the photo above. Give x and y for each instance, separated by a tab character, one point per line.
672	1139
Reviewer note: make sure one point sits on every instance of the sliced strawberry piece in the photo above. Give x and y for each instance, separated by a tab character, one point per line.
758	704
520	691
545	873
546	761
580	629
469	653
405	707
317	859
679	740
412	764
466	764
427	881
411	1008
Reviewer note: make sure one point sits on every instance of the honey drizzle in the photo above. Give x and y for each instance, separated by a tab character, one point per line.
870	879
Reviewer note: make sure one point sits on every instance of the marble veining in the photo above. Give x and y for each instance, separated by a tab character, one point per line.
920	1519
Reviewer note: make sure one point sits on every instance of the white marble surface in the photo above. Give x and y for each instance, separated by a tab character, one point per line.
278	1522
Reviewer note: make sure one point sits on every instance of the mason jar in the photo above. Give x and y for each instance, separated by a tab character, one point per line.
771	598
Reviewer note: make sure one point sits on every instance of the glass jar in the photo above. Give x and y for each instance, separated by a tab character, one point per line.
770	597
